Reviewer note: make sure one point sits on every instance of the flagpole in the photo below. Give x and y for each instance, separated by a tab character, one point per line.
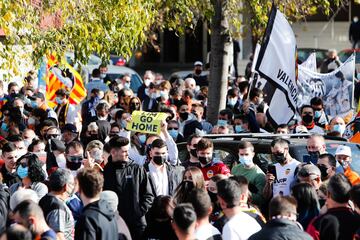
253	72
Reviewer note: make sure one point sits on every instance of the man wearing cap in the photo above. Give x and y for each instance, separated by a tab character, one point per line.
343	156
311	174
201	80
38	101
69	133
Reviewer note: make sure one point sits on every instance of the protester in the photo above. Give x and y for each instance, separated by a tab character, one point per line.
30	215
283	225
131	184
343	156
252	172
184	221
209	168
340	221
284	167
331	62
229	198
57	214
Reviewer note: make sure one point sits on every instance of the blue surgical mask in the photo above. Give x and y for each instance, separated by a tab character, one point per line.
58	100
239	129
232	101
4	127
22	172
247	161
127	85
339	128
222	122
34	104
317	114
173	133
123	123
142	138
164	95
102	75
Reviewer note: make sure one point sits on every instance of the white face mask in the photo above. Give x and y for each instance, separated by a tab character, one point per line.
61	161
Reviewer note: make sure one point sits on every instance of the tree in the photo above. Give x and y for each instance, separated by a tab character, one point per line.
120	26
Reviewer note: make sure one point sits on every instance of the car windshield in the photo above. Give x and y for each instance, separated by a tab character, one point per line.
343	56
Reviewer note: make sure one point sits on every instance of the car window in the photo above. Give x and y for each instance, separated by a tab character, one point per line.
136	82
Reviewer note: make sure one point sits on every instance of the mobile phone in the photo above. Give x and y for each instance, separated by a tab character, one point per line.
272	169
310	159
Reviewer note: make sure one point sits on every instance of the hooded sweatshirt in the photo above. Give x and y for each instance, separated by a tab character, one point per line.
97	221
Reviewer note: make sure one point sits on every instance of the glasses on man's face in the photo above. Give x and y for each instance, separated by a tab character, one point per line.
173	128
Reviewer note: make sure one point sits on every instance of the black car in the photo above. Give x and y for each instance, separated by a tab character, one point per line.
226	148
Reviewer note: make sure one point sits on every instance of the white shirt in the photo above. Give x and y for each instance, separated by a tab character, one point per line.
160	179
317	130
206	231
285	176
240	227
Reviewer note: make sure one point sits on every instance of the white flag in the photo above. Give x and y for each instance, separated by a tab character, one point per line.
335	88
310	62
277	64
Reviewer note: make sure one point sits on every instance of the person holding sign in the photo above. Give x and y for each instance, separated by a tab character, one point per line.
163	177
155	124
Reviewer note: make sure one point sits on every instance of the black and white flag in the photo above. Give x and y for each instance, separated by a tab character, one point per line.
335	88
277	65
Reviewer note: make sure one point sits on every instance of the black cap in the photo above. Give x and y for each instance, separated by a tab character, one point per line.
58	145
69	128
37	95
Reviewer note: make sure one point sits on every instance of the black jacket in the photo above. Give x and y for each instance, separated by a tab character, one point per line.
4	206
281	229
131	184
175	176
9	178
96	222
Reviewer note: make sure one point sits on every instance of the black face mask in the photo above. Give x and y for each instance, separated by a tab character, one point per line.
198	71
204	160
307	119
213	197
314	154
193	152
184	115
279	157
73	165
323	171
159	160
187	186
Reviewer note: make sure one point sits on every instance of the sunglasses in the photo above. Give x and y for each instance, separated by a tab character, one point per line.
170	128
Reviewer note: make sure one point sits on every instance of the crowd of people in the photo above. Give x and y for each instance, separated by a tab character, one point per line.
77	172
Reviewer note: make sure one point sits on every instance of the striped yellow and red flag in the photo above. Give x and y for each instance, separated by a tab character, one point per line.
77	92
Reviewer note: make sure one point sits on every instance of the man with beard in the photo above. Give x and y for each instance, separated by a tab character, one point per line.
285	167
327	166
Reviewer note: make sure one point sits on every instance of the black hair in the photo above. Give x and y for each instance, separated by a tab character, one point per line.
188	93
245	144
75	145
280	141
62	92
34	142
118	142
18	232
95	72
255	92
355	194
306	197
339	188
8	147
316	101
233	92
227	112
102	106
305	106
184	216
190	138
200	200
158	143
15	138
282	205
283	125
35	170
330	157
158	208
229	191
